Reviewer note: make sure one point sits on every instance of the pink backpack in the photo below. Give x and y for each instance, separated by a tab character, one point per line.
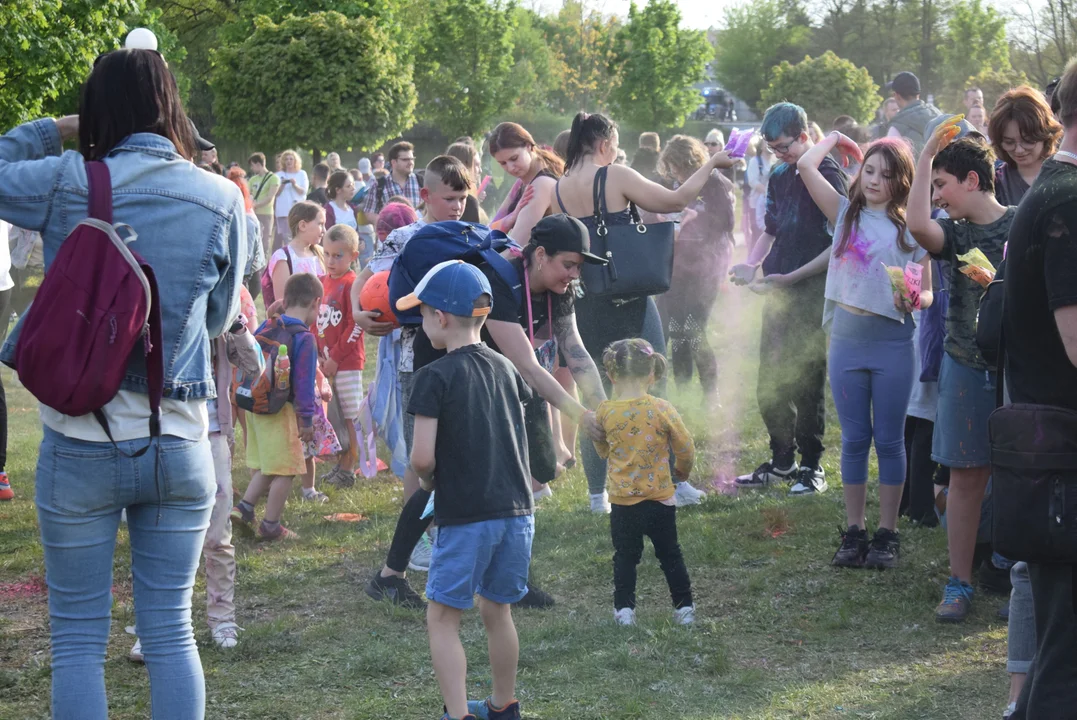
268	296
97	303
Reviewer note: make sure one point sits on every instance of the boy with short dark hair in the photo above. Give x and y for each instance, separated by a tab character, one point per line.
792	346
469	427
275	442
959	178
320	179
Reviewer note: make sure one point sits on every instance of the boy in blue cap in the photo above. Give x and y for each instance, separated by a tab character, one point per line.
469	433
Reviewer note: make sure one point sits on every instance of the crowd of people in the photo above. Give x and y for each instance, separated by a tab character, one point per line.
872	248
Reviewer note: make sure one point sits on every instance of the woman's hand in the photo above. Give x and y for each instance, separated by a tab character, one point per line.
591	426
368	322
509	221
905	304
770	283
743	274
721	160
68	127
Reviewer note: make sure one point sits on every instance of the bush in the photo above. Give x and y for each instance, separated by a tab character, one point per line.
826	87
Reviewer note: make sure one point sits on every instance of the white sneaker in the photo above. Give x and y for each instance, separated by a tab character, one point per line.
685	615
600	503
810	481
686	494
625	616
226	635
420	556
136	652
545	492
313	495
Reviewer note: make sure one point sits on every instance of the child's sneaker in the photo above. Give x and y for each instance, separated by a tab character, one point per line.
312	495
685	615
853	549
396	590
686	494
420	556
6	492
625	616
136	655
226	635
600	503
956	602
483	710
884	550
536	599
265	532
242	515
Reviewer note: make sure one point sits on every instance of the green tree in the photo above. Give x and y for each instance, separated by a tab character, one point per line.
582	43
826	87
463	64
756	37
656	63
976	42
537	72
47	48
317	81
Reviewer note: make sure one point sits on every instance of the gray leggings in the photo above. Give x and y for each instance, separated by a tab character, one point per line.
1021	645
594	466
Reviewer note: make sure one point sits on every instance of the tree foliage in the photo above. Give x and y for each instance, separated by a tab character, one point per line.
757	36
656	62
826	87
1043	37
463	64
976	42
582	42
332	81
47	48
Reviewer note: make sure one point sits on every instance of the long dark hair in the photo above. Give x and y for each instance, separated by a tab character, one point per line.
510	135
900	164
131	91
587	132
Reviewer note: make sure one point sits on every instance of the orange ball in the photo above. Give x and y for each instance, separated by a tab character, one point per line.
375	297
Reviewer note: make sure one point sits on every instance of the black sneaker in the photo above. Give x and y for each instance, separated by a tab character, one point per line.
535	599
854	547
884	551
396	590
766	474
809	481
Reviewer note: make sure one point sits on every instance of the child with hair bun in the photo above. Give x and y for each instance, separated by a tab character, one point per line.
641	433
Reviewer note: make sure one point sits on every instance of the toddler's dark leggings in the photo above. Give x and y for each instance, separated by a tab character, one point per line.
409	530
628	526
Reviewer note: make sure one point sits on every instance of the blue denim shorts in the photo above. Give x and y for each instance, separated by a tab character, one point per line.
966	400
491	558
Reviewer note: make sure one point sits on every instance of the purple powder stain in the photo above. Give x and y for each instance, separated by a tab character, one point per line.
858	249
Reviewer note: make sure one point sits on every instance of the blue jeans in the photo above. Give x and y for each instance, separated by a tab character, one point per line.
871	377
81	489
594	467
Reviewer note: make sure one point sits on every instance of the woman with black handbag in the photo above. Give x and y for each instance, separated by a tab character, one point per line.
617	302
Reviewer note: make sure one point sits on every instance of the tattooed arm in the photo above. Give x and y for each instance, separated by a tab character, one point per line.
583	368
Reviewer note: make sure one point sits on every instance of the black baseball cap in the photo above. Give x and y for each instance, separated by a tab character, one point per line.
200	142
905	84
564	233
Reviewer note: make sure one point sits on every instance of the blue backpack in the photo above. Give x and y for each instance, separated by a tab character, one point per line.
437	242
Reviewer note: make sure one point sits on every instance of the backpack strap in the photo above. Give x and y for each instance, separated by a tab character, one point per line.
100	181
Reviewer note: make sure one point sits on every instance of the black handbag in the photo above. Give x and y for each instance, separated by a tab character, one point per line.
989	317
640	256
1033	478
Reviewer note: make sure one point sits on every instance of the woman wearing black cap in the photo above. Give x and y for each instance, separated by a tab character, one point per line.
528	323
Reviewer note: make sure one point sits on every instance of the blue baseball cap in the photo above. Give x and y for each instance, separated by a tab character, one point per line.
453	287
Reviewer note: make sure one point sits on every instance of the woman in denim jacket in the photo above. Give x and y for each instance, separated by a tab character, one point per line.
192	231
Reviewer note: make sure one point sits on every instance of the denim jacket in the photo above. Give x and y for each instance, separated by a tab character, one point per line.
191	229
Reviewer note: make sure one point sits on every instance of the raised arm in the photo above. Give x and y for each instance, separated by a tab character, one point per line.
30	161
534	210
926	231
651	196
822	192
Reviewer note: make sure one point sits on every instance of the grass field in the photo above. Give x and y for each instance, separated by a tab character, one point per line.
780	634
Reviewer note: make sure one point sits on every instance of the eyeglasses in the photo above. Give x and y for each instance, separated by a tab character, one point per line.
781	149
711	144
1009	144
406	159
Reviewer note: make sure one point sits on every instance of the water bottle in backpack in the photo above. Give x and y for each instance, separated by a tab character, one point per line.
283	369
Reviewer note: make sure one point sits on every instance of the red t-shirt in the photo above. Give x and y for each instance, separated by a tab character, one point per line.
337	330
